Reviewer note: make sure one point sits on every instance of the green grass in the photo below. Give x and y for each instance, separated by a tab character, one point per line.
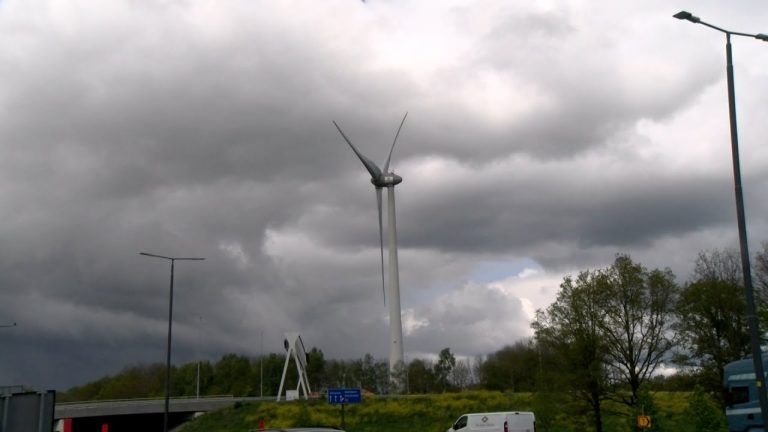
436	413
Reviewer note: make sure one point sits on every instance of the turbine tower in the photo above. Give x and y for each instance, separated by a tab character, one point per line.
383	178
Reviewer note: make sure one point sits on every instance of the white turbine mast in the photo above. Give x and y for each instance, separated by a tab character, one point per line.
383	178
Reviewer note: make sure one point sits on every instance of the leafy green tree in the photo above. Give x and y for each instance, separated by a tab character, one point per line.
370	374
510	368
206	377
446	361
461	375
704	413
184	380
273	370
316	369
338	374
135	381
399	379
711	319
682	381
571	328
760	271
636	325
233	375
88	391
421	378
384	383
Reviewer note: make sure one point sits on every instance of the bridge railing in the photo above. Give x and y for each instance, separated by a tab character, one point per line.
144	400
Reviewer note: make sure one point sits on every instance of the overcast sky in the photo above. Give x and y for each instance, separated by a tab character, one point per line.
542	139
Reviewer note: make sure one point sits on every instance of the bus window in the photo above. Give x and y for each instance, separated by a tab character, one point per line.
738	395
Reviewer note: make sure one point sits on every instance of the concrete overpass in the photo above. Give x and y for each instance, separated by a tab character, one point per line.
136	414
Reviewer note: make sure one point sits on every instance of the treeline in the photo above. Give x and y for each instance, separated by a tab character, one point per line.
240	375
604	339
610	330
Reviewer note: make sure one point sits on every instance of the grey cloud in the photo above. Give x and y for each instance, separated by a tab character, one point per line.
185	131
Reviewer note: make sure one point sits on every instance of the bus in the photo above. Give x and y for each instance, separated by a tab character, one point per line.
742	404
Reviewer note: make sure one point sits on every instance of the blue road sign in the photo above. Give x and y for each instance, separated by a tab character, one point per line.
344	396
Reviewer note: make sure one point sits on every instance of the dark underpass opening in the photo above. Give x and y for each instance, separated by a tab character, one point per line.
129	423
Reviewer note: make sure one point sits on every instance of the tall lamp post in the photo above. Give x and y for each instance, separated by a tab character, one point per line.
745	266
199	342
170	321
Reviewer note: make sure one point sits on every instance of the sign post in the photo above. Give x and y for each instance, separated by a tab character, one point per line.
343	396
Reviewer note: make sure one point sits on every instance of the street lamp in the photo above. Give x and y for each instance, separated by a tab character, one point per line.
199	342
745	267
7	325
170	321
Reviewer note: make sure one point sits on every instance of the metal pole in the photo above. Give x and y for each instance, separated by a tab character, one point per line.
261	366
199	343
754	331
6	411
168	354
170	323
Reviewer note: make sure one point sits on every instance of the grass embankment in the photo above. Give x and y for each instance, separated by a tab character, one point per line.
434	413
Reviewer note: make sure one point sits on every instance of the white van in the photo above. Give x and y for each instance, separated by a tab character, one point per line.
514	421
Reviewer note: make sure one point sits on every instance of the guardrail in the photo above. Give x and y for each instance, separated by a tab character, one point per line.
145	399
148	405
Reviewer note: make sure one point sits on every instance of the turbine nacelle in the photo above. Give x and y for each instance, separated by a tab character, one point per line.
387	180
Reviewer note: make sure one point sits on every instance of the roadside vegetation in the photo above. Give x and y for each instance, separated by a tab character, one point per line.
436	413
592	364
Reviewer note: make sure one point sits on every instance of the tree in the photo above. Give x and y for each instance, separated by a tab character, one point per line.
461	375
705	415
316	369
233	375
711	318
135	381
511	368
572	329
184	379
338	374
445	363
421	379
370	374
636	325
398	379
761	286
273	370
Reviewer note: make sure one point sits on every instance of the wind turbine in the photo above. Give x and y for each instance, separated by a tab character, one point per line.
383	178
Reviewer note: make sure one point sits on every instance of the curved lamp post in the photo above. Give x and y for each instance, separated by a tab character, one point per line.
170	321
745	266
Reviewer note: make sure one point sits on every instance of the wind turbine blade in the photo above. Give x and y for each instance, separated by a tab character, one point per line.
370	166
386	165
381	243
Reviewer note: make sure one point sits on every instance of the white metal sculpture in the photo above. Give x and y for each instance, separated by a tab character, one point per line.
294	348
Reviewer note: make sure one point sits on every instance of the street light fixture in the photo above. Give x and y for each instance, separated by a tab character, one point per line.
170	321
7	325
745	266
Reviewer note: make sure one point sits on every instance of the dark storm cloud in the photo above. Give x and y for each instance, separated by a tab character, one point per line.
205	130
591	209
